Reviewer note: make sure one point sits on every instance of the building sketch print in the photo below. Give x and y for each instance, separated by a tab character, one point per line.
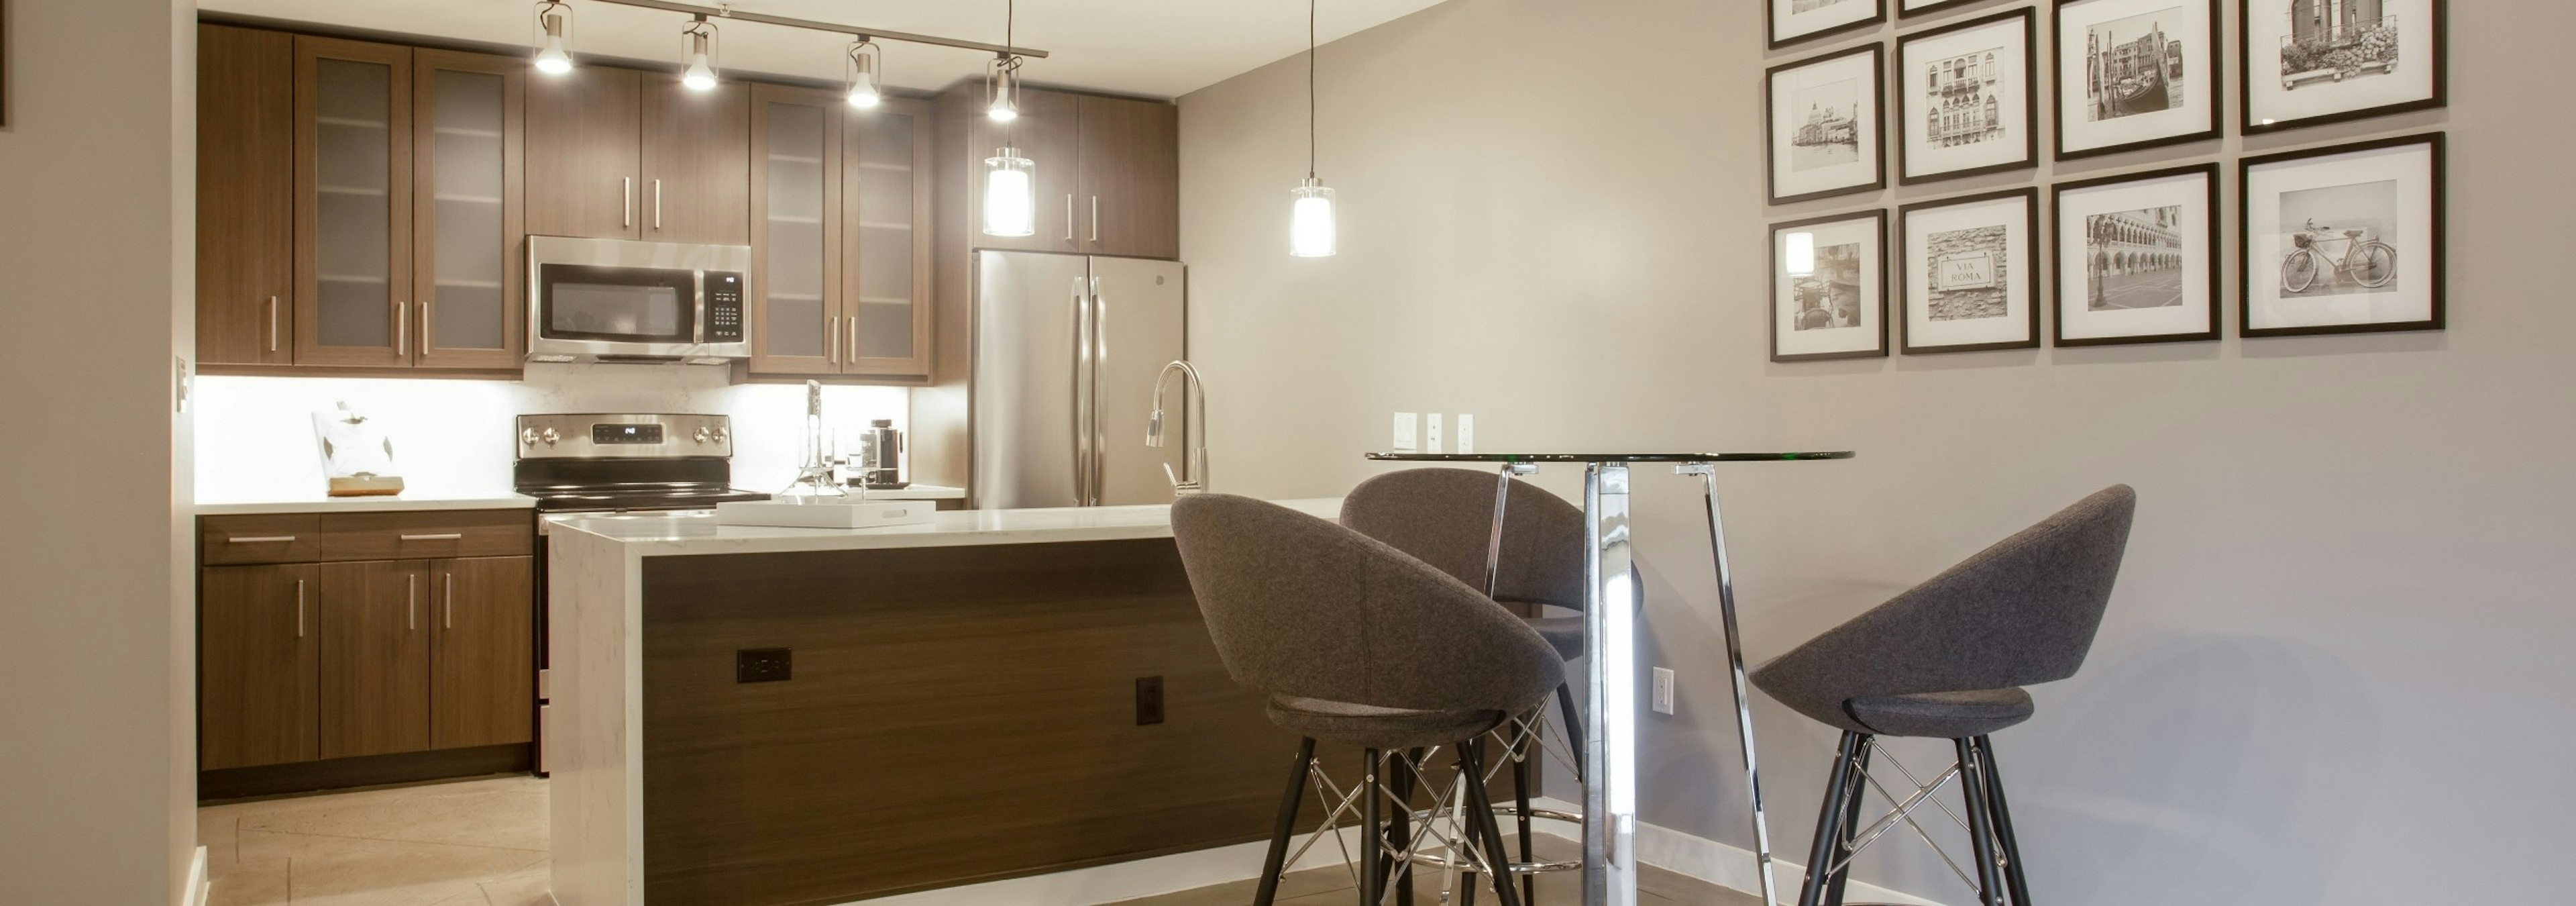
2133	67
2133	259
1962	108
1829	136
2333	41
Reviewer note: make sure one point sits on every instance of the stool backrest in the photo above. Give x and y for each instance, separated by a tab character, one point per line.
1301	606
2021	612
1445	517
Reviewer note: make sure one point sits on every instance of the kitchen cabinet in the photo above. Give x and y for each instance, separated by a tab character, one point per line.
256	650
245	191
352	202
375	658
469	213
840	236
1108	170
622	154
482	653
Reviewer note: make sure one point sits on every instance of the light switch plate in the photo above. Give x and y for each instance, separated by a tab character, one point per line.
1431	433
1404	442
1466	433
1663	690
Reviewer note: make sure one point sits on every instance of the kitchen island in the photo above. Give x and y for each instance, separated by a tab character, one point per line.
807	716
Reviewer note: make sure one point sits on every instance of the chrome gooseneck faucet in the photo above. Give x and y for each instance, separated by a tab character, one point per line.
1195	457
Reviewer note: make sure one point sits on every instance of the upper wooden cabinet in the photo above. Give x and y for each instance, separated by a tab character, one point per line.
1108	171
621	154
840	236
469	211
352	203
245	192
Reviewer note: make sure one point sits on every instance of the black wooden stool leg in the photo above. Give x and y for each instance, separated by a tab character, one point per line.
1275	863
2014	881
1480	809
1829	820
1851	820
1981	831
1573	725
1521	783
1371	833
1400	860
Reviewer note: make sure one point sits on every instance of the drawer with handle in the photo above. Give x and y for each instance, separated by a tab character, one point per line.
412	535
269	538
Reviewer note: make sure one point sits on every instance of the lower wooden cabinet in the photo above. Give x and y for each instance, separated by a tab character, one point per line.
375	658
483	653
256	651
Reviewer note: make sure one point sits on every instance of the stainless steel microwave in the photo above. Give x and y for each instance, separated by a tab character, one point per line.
616	300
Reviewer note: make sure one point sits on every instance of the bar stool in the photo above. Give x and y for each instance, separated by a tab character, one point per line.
1522	545
1358	644
1946	660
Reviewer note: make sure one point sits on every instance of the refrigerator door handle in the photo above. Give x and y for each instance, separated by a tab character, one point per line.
1081	383
1099	359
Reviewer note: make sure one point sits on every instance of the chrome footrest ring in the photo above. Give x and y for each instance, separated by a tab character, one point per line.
1501	810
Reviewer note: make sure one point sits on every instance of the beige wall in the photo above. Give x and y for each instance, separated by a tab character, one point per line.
2334	670
97	177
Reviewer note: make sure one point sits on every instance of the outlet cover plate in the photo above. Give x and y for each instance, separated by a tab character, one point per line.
1663	690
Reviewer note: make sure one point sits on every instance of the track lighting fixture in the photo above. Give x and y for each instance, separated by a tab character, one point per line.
552	37
865	67
697	42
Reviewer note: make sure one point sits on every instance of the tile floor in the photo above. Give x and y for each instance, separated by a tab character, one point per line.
483	843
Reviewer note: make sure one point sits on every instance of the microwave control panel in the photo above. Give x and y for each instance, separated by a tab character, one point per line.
724	307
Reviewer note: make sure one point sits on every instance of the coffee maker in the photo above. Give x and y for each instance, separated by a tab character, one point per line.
880	463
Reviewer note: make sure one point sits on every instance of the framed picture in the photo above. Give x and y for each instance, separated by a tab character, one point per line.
1793	21
2135	74
2137	258
1971	272
1963	99
1824	116
1907	9
1829	288
2312	62
2347	239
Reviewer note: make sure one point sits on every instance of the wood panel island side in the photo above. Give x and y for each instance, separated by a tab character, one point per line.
963	701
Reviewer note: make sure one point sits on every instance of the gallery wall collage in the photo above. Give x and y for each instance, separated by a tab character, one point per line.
2346	238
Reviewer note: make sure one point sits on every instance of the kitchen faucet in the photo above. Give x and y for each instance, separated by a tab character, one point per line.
1195	458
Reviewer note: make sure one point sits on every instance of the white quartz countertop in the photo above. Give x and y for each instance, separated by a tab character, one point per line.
919	492
495	500
954	528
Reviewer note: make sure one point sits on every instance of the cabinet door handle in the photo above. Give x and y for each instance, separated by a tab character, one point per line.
272	323
424	322
626	198
262	539
451	601
1068	218
1095	218
657	204
445	536
402	326
854	339
411	602
299	608
832	340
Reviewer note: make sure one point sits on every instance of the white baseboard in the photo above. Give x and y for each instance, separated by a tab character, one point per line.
1127	880
200	888
1720	864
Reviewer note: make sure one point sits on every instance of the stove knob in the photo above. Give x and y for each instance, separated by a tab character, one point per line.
549	436
528	437
719	435
703	435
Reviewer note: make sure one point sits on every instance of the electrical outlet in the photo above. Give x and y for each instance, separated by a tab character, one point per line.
1466	433
1431	433
1149	701
1663	690
764	665
1404	442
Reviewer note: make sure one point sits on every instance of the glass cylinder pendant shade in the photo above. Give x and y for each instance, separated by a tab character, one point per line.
554	38
699	44
862	88
1010	194
1800	256
1311	230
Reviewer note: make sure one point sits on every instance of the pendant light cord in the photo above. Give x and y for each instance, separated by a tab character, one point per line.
1310	88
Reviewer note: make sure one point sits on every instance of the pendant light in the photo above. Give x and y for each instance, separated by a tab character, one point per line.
1311	230
1010	181
698	44
553	37
865	72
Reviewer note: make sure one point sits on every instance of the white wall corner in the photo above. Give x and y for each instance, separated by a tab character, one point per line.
200	889
1721	864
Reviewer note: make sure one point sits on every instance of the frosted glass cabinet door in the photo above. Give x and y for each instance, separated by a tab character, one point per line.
797	311
889	242
468	218
353	203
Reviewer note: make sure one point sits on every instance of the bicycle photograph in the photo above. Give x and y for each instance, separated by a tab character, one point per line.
2368	262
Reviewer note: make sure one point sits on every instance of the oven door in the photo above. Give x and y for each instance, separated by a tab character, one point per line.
610	299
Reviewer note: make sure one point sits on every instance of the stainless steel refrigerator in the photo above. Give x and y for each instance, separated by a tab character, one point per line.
1051	408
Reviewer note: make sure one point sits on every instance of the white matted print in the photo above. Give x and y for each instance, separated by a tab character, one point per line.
1965	106
1793	21
2135	74
2345	239
2137	258
1828	285
1824	126
1911	8
2309	62
1971	273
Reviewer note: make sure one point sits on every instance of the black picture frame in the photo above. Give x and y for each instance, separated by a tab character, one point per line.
2438	285
2249	125
1904	258
1770	113
2057	256
1771	26
2057	83
1771	298
1931	10
1905	113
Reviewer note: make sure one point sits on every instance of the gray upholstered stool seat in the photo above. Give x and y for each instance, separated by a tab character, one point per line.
1565	634
1942	715
1372	727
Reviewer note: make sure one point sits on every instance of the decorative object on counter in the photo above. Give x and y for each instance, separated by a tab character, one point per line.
881	457
1965	101
1824	115
814	482
1828	288
1312	229
1971	270
2137	258
1194	460
357	457
2309	63
1797	21
2345	239
1908	9
2135	74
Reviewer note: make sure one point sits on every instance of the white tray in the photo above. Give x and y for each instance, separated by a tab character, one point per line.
847	513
